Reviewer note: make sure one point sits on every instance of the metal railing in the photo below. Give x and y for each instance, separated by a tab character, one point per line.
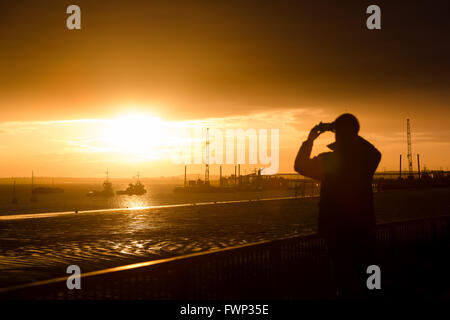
290	268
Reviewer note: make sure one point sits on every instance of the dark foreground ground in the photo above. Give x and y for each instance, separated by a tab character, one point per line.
42	248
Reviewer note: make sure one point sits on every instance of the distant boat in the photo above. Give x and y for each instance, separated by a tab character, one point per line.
45	190
107	189
134	189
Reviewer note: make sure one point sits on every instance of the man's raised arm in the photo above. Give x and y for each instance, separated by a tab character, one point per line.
304	165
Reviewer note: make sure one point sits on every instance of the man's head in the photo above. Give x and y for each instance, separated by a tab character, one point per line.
346	127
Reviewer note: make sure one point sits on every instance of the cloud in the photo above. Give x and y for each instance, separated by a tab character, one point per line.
421	137
18	127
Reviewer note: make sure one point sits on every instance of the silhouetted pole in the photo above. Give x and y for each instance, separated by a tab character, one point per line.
408	135
33	197
185	169
235	175
14	199
418	165
207	158
239	172
400	176
221	176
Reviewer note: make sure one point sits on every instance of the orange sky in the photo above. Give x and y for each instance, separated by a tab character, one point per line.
284	65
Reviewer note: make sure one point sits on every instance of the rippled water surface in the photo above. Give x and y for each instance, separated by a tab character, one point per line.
40	248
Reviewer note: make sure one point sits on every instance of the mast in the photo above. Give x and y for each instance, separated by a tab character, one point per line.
107	178
33	197
107	183
14	199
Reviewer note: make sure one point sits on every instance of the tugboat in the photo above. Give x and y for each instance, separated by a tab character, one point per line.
134	189
107	189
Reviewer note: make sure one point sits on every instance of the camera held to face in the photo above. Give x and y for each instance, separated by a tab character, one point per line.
322	127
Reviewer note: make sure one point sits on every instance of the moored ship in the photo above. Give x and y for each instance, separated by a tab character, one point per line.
133	189
107	189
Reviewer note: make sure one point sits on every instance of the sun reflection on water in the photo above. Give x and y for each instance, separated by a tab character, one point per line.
134	202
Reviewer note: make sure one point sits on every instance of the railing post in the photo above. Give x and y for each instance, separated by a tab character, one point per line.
434	240
274	271
392	253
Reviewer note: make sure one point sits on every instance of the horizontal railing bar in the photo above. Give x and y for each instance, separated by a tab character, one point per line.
414	220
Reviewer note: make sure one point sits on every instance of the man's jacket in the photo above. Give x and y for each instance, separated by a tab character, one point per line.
346	198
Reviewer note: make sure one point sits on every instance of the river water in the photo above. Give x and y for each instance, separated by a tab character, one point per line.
41	248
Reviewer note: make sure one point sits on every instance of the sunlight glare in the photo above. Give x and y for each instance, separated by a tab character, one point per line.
136	136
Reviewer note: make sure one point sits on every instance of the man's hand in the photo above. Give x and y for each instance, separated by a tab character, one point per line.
314	133
303	164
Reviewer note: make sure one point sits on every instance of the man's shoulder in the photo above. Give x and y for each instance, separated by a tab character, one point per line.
366	144
369	148
325	155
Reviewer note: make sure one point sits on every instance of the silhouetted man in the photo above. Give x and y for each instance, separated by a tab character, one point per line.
346	214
